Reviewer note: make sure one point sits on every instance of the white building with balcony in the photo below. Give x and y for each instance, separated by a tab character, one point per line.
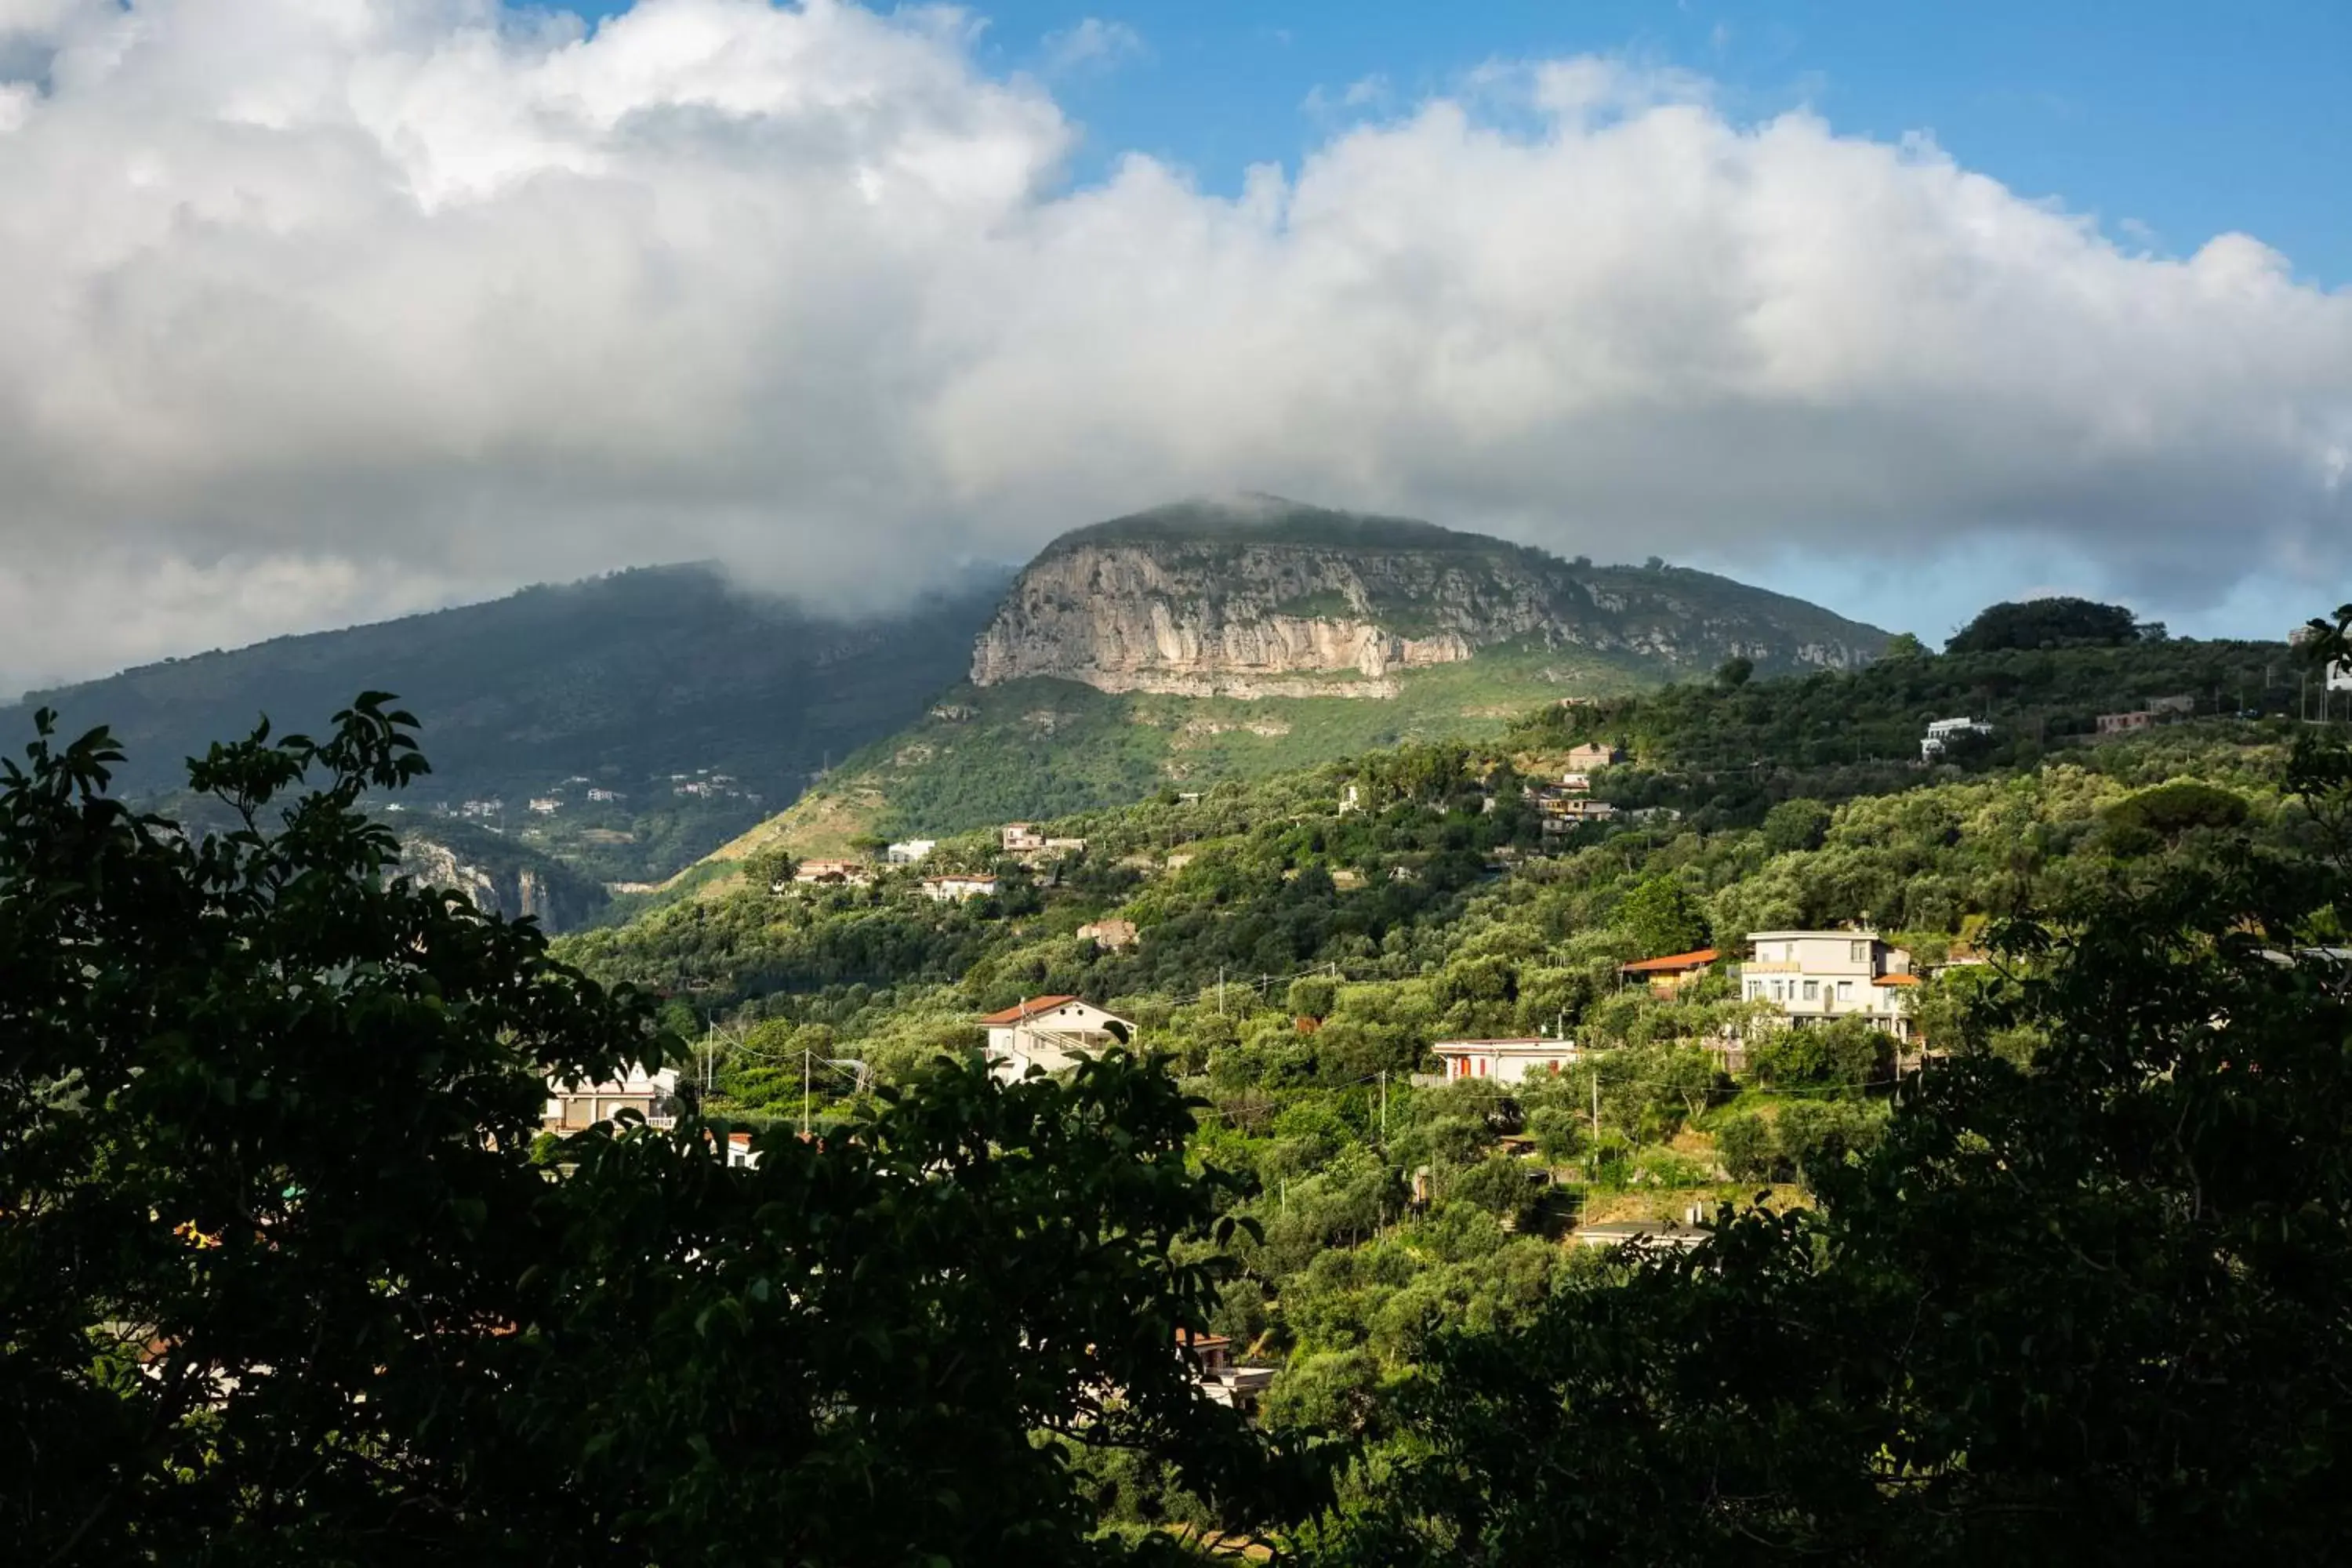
1942	732
1050	1033
1814	976
652	1094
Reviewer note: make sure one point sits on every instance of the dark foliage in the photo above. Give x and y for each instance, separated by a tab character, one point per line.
2056	622
286	1276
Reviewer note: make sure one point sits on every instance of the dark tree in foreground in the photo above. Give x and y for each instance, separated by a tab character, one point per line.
279	1281
2092	1310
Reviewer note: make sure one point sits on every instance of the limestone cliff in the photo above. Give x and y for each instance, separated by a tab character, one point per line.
1268	598
506	883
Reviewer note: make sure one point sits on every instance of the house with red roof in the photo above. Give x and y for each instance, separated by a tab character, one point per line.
1050	1034
1669	974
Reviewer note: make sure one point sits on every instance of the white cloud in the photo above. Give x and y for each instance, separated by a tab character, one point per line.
1093	45
306	304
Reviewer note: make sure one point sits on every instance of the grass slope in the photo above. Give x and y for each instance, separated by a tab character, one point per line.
1044	748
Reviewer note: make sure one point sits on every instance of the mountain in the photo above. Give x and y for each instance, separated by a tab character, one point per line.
1235	640
691	708
1269	598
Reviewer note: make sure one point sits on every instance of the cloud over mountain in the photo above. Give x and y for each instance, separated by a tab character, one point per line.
318	309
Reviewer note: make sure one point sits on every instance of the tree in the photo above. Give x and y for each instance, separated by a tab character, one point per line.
1905	645
1735	672
2055	622
1798	823
1839	1053
2084	1309
1745	1145
1660	917
282	1280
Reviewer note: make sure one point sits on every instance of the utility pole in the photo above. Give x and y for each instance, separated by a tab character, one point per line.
1221	991
1384	1108
805	1055
1596	1107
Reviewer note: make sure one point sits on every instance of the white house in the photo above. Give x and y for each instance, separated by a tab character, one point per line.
606	794
545	805
1506	1061
1942	732
1050	1033
570	1106
910	851
955	887
1584	758
1019	837
1812	977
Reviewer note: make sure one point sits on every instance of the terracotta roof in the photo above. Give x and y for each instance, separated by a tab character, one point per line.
1027	1010
1199	1341
1672	963
1896	980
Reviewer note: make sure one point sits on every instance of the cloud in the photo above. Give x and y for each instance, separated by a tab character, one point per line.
310	309
1093	45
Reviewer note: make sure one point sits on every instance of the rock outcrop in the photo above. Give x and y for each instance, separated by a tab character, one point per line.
1266	598
547	892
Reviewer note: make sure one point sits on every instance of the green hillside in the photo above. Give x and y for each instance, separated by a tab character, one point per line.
1043	747
615	684
1294	962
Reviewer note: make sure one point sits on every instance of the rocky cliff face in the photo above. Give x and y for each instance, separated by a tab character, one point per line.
1268	599
547	894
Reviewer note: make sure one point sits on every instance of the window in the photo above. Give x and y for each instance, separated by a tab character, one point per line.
1756	989
1813	990
1859	952
1777	994
1845	990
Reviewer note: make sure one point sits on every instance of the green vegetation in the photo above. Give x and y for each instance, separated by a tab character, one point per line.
2066	1288
2055	622
616	683
286	1277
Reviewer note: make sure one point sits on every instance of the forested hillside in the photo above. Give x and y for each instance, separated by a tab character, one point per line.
615	684
2054	1276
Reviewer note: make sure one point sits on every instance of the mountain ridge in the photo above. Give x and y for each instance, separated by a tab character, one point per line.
1266	597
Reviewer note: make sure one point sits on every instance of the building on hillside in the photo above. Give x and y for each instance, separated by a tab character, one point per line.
833	873
956	887
1559	813
545	805
1942	732
1109	935
481	809
1506	1061
1576	784
653	1096
606	797
1050	1033
1640	1233
1218	1375
1064	846
1585	757
1669	974
1815	976
1021	838
2159	709
910	851
1350	801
